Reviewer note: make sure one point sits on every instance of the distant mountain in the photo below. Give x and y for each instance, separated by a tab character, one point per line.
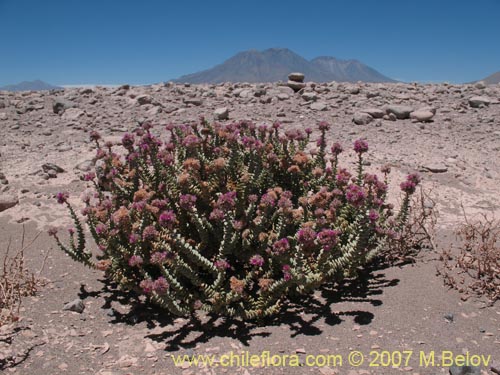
348	70
492	79
275	64
30	86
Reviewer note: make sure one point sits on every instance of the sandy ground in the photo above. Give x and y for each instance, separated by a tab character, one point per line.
394	309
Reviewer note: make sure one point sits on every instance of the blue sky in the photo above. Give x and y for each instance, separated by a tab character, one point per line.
124	41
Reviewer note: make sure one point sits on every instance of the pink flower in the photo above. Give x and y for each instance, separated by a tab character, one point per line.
167	219
408	187
227	201
355	195
286	272
158	257
281	246
187	201
217	214
222	264
257	261
147	285
328	238
323	126
149	233
373	216
128	141
62	197
101	228
135	261
336	148
133	238
160	285
360	146
306	236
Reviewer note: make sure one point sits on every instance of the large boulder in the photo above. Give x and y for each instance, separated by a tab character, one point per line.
60	105
362	118
296	86
296	77
7	201
479	101
400	111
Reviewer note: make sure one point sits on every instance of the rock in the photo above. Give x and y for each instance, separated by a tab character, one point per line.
72	114
495	367
374	112
435	168
51	173
479	101
60	105
296	86
85	166
449	316
391	117
296	77
52	167
362	118
2	104
144	99
169	108
7	201
309	96
283	96
245	93
193	101
480	85
400	111
259	92
353	90
465	370
318	106
3	116
77	306
221	113
422	115
64	148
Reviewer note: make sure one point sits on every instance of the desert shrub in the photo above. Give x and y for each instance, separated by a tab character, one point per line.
231	219
417	232
473	265
16	282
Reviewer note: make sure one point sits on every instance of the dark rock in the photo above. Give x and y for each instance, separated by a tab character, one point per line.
296	86
61	104
465	370
77	306
435	168
52	167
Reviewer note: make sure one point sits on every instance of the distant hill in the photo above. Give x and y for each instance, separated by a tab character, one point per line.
275	64
30	86
492	79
